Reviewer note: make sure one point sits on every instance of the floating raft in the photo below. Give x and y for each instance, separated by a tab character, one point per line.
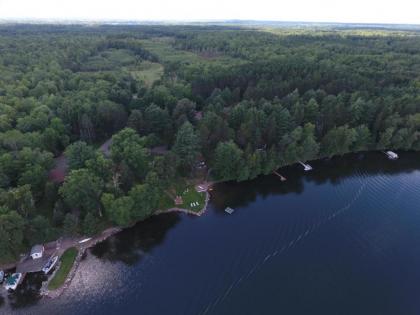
229	210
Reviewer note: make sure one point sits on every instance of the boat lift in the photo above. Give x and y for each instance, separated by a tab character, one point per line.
306	167
391	155
282	178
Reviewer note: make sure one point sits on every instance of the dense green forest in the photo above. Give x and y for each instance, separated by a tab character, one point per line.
246	101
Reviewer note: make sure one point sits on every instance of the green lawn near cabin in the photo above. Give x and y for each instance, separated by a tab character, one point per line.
190	195
66	263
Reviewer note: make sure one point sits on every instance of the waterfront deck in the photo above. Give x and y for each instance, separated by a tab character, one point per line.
282	178
27	264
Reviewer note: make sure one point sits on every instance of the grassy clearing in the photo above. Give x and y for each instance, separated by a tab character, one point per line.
67	260
162	47
109	60
189	196
147	71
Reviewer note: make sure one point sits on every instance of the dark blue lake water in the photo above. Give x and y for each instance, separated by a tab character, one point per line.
342	239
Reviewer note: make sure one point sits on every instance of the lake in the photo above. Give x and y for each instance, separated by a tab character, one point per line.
342	239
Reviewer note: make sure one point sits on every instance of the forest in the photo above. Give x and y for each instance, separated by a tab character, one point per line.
245	101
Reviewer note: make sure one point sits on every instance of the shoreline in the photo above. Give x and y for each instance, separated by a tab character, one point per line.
186	211
81	251
12	265
114	230
45	292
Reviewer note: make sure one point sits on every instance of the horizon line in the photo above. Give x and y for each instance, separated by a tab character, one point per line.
75	20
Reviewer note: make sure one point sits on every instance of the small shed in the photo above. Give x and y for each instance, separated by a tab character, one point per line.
37	251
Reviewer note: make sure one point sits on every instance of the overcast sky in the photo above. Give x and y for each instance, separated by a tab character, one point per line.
363	11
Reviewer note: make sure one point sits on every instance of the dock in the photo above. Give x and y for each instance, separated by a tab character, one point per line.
282	178
391	155
27	264
306	167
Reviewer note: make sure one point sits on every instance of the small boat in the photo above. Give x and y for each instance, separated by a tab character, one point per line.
50	264
391	155
13	281
229	210
85	240
1	276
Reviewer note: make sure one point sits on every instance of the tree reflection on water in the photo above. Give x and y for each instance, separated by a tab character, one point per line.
132	244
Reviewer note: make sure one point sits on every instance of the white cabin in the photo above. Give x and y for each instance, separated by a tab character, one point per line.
37	251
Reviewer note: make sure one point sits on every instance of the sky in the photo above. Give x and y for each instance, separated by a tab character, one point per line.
357	11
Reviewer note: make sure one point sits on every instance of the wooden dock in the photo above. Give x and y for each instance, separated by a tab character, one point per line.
282	178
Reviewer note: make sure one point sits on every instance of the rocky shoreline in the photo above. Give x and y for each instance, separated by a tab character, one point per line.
81	247
100	238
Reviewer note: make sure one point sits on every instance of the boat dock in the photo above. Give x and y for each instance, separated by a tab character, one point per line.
306	167
282	178
27	264
391	155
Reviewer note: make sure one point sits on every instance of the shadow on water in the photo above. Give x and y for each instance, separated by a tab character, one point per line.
128	246
132	244
332	170
27	293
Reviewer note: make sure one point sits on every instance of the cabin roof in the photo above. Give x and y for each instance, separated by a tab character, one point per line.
36	249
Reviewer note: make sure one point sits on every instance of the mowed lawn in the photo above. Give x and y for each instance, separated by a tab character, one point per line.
193	200
67	261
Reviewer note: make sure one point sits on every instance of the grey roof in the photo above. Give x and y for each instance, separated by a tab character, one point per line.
37	249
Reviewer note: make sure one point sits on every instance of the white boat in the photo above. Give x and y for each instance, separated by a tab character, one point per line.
13	281
85	240
1	276
50	264
391	155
